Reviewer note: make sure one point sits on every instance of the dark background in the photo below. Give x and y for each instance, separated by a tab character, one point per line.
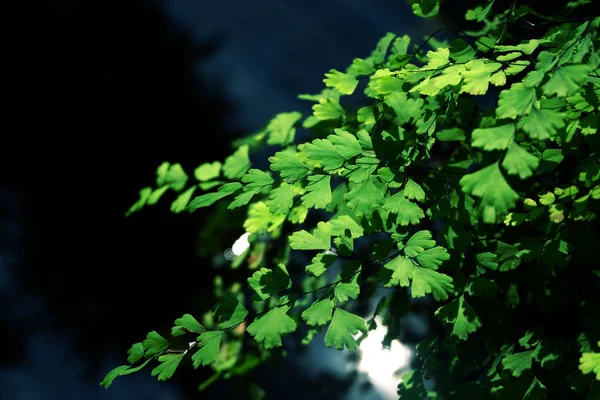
101	92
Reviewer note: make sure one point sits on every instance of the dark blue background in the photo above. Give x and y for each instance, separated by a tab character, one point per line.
103	92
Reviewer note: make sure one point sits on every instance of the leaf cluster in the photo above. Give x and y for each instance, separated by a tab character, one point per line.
427	190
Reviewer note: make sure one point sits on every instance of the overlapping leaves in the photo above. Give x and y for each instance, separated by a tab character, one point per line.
457	199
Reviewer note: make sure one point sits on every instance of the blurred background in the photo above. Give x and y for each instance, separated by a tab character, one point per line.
102	92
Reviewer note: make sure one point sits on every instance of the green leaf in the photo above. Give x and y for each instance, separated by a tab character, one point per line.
553	156
343	325
112	375
425	8
209	344
171	175
132	370
155	344
364	139
451	76
438	58
518	362
516	101
120	371
428	281
208	199
207	171
509	56
477	76
433	257
360	67
345	143
566	80
496	138
407	211
325	153
269	328
547	199
344	223
400	46
391	178
136	352
377	56
288	165
531	338
281	128
590	362
209	185
516	67
364	198
318	192
348	287
281	199
518	161
157	194
319	313
320	239
327	109
533	78
487	260
509	255
169	363
418	243
366	119
479	13
238	163
186	324
431	87
138	205
402	269
382	83
406	109
266	282
257	179
526	48
498	78
459	313
497	197
412	387
228	311
260	219
542	124
182	200
451	134
344	83
320	263
361	171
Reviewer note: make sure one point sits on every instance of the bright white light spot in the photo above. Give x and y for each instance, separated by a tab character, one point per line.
381	364
241	245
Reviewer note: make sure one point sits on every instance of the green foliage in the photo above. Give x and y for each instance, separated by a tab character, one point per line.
469	174
590	362
209	344
343	325
186	324
268	329
168	365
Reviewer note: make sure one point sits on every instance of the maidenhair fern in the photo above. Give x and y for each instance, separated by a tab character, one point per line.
489	210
